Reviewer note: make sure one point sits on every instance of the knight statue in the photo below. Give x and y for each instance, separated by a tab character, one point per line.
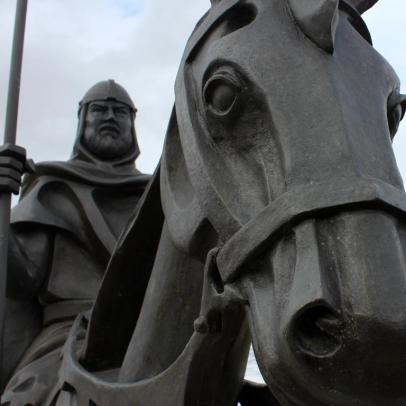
63	231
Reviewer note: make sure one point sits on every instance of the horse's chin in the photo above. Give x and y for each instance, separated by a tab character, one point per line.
329	327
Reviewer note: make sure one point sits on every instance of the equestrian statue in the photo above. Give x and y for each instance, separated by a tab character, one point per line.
276	218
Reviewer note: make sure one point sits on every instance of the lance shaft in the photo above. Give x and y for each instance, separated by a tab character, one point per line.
10	137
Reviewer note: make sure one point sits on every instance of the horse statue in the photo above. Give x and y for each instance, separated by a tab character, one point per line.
276	216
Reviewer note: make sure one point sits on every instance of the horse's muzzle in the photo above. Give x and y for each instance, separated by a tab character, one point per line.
332	298
345	321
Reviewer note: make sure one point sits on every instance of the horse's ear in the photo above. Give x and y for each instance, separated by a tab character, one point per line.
363	5
318	19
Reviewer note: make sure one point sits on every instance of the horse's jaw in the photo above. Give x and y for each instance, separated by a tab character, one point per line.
327	312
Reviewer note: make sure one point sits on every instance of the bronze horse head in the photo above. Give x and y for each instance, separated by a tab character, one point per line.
278	172
285	115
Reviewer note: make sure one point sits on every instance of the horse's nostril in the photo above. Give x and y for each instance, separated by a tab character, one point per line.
317	332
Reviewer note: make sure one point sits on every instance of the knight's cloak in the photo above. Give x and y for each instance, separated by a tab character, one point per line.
80	207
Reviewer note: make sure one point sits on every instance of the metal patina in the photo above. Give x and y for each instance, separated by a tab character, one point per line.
276	216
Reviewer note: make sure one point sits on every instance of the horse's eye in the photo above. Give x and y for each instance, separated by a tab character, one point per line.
220	95
396	112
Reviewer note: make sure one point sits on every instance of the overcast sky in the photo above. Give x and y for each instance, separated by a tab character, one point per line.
72	44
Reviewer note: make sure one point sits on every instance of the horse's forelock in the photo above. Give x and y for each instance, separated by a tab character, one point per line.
205	24
318	20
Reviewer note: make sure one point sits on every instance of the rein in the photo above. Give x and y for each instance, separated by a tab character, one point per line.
297	205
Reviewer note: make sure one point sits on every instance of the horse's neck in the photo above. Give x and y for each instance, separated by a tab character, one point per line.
171	304
212	365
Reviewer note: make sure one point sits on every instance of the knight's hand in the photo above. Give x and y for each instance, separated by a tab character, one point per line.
13	164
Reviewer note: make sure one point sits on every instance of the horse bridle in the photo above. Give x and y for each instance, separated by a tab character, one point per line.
299	204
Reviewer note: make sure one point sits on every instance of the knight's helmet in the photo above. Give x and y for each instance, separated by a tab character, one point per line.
106	90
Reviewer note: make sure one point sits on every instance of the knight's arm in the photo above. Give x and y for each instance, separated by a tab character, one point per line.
29	255
28	252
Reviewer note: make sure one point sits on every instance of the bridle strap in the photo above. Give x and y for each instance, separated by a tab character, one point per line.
299	204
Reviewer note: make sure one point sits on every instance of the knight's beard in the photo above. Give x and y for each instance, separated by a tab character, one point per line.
108	146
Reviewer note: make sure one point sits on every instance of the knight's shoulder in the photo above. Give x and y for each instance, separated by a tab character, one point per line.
44	173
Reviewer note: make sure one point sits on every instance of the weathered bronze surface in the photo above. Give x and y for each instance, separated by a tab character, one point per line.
276	215
63	232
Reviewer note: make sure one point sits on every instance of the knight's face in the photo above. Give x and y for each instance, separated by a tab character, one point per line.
108	126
